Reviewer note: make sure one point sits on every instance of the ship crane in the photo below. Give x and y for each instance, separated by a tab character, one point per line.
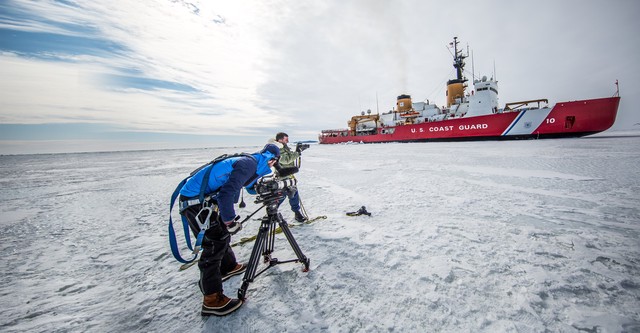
363	120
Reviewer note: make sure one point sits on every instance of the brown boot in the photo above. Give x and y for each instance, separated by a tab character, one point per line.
219	305
239	269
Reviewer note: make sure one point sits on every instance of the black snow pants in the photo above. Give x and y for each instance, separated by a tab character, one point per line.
217	258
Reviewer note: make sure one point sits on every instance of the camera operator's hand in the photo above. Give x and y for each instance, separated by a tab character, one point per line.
233	227
300	147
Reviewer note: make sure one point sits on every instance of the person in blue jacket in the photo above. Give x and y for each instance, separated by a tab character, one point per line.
218	262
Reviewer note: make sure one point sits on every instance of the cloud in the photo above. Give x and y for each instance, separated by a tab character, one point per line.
196	68
257	67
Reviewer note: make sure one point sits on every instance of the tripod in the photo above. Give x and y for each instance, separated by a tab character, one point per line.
265	242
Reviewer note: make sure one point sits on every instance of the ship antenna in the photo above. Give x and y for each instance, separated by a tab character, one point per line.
377	105
617	94
495	78
457	58
473	67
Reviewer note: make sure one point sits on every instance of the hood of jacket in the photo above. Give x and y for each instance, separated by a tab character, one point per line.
263	163
274	142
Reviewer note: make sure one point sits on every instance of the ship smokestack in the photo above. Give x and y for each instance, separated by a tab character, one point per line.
455	90
404	103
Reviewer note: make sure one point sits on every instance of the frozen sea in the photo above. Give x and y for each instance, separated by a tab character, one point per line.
517	236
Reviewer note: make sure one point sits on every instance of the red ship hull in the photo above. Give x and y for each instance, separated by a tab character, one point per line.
565	119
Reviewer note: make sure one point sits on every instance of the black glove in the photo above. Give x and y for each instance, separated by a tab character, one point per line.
234	227
300	147
361	211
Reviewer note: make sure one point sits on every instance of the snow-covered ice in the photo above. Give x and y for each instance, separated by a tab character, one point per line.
518	236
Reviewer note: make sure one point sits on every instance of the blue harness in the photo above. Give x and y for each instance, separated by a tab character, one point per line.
202	199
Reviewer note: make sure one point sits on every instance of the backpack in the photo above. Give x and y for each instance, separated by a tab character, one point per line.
201	198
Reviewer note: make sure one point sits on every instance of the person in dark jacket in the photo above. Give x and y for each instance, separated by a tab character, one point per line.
217	216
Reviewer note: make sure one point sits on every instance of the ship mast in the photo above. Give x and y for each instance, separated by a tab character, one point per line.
458	60
456	87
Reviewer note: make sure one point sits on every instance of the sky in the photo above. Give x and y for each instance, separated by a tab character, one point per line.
149	74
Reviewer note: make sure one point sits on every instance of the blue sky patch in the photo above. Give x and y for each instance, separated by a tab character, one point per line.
34	43
18	35
122	81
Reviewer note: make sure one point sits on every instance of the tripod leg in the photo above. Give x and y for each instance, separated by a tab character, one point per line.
294	245
252	266
271	239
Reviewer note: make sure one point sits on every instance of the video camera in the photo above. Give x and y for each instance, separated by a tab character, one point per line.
300	147
272	187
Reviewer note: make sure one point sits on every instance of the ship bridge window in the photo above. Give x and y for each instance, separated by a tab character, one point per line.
489	88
